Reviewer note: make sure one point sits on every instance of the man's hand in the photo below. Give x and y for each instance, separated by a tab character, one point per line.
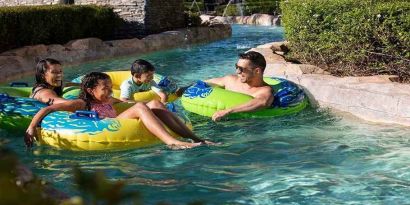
30	136
220	114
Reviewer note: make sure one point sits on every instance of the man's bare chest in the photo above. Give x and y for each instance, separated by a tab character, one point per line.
241	89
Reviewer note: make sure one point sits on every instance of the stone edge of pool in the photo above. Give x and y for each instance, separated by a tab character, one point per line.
372	98
20	62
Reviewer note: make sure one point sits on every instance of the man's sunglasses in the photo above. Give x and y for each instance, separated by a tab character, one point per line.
241	69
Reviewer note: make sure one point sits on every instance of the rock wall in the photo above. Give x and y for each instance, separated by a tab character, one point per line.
372	98
142	17
254	19
20	62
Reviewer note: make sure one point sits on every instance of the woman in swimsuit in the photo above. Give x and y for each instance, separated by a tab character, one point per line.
49	82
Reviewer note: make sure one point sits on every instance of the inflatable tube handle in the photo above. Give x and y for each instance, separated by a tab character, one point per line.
4	97
201	84
171	107
84	114
18	84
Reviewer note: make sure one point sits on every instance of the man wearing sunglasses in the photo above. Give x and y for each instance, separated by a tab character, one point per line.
248	80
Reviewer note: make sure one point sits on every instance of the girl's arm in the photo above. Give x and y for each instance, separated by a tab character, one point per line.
115	101
71	106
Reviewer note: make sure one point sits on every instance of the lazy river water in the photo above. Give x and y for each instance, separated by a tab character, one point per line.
313	157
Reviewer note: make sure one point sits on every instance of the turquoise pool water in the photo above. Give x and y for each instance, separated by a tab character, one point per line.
314	157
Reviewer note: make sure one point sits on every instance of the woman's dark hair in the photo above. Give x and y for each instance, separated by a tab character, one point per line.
141	66
41	68
256	59
90	81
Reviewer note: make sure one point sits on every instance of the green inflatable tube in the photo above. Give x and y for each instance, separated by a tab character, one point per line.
68	92
205	100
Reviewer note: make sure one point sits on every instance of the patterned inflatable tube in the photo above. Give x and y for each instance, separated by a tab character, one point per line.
16	112
84	131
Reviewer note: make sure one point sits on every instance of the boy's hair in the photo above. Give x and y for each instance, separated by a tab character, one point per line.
41	69
90	81
256	59
141	66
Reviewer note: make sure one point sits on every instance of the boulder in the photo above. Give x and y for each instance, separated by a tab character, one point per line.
277	20
281	46
282	69
368	99
127	46
206	19
263	19
13	67
20	62
86	44
220	19
87	49
270	57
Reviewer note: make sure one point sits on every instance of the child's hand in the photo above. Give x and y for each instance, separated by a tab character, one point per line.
180	91
30	136
163	96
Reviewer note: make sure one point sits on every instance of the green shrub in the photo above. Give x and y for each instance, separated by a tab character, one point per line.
231	10
192	19
28	25
350	37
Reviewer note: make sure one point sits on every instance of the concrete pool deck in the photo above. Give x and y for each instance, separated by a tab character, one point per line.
372	98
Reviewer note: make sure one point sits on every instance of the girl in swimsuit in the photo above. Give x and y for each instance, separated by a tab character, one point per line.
96	90
49	82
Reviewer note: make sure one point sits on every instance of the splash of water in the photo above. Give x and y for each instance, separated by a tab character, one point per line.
195	3
226	8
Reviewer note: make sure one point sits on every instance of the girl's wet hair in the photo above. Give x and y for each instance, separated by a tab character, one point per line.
91	81
41	69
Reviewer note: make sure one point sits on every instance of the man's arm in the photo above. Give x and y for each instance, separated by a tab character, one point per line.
263	100
217	81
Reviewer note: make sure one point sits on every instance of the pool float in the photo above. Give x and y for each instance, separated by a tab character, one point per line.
16	112
85	131
117	77
205	100
21	89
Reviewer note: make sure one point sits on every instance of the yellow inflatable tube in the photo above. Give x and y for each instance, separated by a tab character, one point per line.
83	131
118	77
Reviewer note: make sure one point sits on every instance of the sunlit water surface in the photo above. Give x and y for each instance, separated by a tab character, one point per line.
314	157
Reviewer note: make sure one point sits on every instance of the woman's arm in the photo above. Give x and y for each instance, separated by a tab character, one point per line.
71	105
47	96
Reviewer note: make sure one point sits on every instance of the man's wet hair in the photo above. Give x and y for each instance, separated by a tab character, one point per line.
141	66
256	59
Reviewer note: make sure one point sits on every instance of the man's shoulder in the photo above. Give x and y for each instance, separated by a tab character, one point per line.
264	90
231	79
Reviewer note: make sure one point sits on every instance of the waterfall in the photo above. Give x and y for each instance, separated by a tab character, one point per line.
192	5
229	3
